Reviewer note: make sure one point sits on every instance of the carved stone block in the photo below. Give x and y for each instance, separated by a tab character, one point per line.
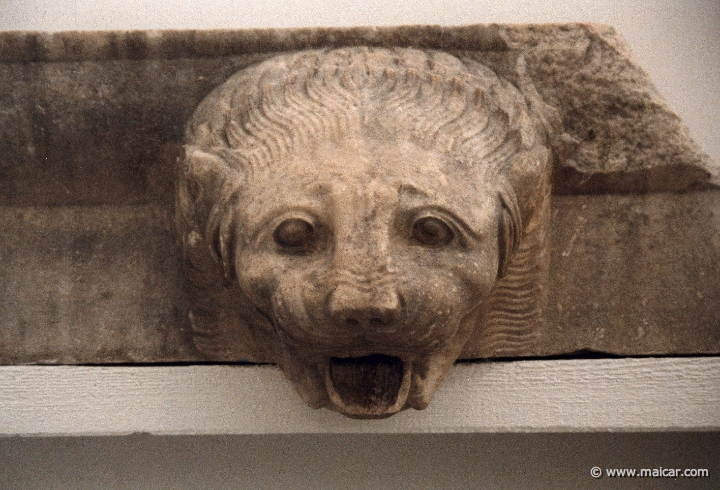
360	206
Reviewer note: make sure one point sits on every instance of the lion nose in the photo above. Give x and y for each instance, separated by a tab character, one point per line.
356	307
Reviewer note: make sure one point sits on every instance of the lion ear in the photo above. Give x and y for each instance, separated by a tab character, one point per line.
509	228
209	186
202	176
223	321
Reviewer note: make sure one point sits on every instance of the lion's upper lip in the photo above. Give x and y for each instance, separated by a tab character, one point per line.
370	386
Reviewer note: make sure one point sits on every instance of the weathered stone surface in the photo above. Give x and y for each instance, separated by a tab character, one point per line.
97	132
91	285
609	290
97	118
634	274
91	130
620	134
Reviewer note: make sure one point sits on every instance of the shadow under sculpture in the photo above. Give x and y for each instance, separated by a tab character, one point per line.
356	215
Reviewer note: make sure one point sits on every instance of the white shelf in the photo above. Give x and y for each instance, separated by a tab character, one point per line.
522	396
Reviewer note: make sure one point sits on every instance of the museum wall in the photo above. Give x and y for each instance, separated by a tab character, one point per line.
678	43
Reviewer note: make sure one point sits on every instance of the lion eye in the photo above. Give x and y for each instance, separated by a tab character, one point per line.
294	234
432	232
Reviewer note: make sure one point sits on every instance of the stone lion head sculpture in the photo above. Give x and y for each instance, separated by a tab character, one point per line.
363	217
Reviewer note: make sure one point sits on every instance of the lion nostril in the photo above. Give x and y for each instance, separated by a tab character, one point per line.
367	317
359	308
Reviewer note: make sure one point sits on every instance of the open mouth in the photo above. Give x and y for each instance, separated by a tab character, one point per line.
368	387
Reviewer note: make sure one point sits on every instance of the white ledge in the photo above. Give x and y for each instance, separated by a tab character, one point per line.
566	395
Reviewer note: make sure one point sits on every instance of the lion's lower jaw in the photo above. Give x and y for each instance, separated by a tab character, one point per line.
372	386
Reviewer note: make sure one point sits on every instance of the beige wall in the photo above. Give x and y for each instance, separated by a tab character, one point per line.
363	462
